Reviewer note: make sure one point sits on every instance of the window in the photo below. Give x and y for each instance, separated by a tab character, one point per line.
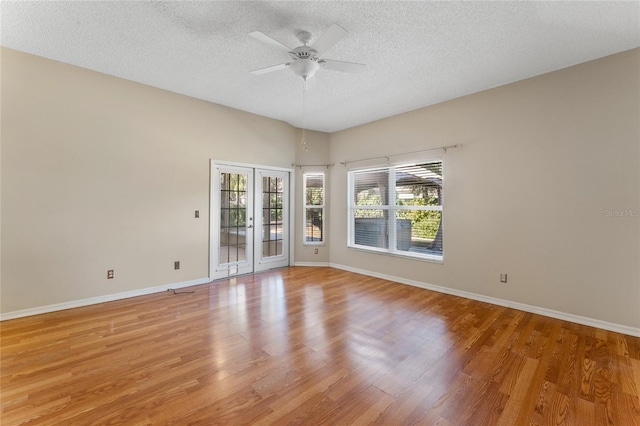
313	208
397	210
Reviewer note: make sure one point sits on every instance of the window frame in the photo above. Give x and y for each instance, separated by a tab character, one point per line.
392	207
306	207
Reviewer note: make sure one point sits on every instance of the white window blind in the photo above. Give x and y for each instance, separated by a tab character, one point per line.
313	208
397	210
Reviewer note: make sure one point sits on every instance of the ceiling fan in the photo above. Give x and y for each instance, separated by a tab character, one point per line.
305	60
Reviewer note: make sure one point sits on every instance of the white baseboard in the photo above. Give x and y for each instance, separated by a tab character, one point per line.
99	299
318	264
618	328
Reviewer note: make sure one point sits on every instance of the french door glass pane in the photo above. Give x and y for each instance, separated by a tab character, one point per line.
233	217
272	196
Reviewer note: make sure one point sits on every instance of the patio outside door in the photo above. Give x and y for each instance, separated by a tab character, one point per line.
249	220
232	221
272	219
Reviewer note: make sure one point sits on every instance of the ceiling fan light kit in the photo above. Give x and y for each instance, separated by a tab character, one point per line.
304	68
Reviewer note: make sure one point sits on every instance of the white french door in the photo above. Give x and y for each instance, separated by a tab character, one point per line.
249	220
231	221
271	236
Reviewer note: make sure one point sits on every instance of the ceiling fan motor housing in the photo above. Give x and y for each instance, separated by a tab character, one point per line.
305	52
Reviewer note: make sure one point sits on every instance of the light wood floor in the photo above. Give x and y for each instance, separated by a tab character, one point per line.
313	346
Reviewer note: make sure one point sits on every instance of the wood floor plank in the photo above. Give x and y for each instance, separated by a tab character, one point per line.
516	407
313	346
289	402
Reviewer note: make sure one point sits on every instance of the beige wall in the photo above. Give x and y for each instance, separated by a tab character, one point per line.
311	160
542	162
101	173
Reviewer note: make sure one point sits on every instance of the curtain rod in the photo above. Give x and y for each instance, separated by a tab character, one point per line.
300	166
387	157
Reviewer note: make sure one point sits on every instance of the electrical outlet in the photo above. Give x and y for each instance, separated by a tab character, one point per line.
176	264
110	274
315	251
503	278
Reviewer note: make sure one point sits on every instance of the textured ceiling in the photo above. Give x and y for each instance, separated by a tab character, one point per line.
417	53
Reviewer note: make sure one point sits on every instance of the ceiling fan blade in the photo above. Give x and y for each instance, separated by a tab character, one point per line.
268	40
352	67
270	69
326	41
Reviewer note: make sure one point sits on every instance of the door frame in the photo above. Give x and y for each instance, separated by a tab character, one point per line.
212	237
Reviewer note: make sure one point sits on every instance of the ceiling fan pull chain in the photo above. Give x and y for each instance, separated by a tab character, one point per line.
304	114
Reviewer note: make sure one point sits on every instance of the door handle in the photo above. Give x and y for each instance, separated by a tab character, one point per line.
250	226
